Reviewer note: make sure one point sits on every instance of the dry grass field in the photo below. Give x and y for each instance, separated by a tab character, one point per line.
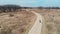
52	20
25	19
18	22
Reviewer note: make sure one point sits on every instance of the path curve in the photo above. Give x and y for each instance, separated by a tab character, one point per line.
36	28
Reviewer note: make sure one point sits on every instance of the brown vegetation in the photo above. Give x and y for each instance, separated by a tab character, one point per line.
18	22
52	20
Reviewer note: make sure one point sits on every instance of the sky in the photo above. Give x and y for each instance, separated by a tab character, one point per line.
32	3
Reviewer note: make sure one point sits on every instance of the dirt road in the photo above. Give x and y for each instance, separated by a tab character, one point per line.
36	28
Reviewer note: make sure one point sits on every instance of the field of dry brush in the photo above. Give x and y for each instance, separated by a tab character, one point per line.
18	22
52	20
51	17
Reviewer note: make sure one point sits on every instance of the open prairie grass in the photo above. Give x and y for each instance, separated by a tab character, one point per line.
52	20
18	22
51	24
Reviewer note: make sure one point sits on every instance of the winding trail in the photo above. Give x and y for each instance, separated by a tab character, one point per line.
36	28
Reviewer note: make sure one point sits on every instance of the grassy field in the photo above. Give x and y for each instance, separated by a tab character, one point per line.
52	20
16	22
50	26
